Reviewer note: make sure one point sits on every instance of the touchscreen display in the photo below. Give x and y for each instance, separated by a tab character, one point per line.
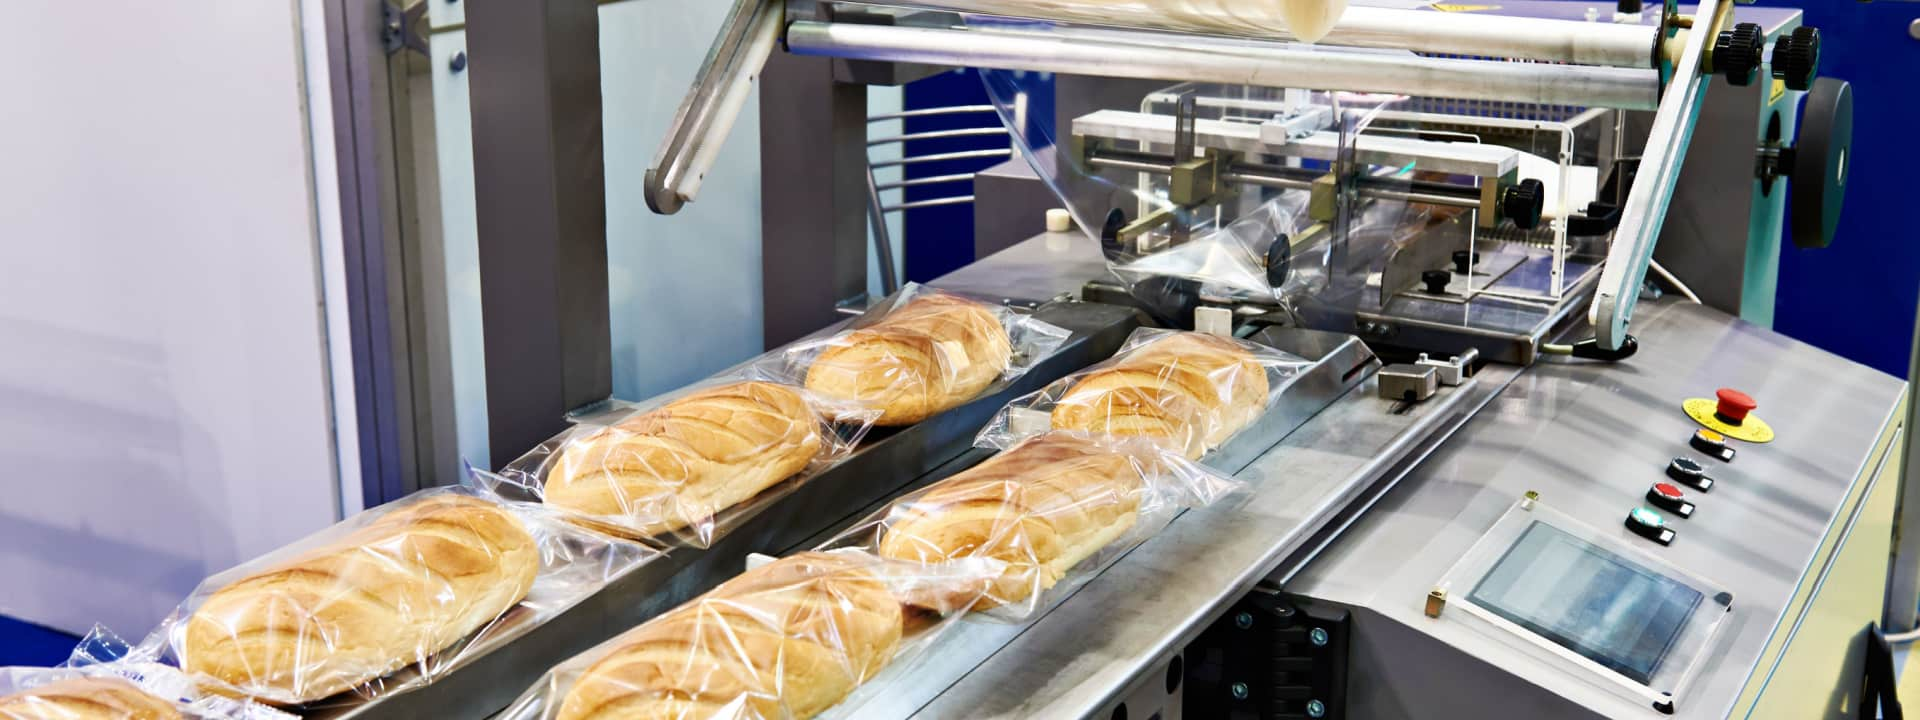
1605	607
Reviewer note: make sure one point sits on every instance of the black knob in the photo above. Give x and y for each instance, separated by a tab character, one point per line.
1630	7
1462	261
1796	57
1737	53
1821	161
1279	260
1436	280
1524	202
1689	473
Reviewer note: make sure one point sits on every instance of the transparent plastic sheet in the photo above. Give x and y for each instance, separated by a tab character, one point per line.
122	690
919	352
1056	508
1259	237
1188	391
684	469
803	637
387	600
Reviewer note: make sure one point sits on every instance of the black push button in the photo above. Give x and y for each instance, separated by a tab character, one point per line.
1690	474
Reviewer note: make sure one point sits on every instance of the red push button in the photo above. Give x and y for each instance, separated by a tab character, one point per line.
1668	497
1734	406
1668	490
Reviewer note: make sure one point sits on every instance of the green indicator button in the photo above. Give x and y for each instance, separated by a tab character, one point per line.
1648	518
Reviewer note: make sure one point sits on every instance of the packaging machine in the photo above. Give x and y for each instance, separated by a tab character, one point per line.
1491	499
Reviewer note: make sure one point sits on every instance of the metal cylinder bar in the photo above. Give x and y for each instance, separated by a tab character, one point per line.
1270	66
711	106
1468	34
935	180
968	155
930	112
961	200
939	134
882	240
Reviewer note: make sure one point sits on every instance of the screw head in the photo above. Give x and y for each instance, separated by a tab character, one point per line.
1318	636
1243	620
459	61
1239	690
1315	708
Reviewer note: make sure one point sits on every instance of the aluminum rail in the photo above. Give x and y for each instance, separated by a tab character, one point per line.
1472	34
1177	58
711	106
1646	207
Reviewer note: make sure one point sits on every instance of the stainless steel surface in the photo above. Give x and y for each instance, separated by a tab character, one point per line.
1042	267
1409	383
1646	207
1273	139
1083	656
1903	577
1475	34
707	113
1184	58
1591	438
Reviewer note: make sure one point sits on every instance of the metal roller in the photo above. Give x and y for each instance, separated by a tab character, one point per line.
1476	35
1184	58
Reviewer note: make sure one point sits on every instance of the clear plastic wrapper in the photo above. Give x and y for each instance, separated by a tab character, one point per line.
919	352
795	639
389	599
99	682
684	469
1189	391
1055	508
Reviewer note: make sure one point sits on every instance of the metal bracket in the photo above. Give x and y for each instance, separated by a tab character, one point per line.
404	29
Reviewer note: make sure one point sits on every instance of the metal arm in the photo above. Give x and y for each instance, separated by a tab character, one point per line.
1646	207
712	105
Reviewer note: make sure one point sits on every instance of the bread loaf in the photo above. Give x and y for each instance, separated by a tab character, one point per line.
406	586
89	698
681	463
930	354
1043	506
789	639
1190	390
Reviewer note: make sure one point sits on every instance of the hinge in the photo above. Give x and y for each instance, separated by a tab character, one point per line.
404	29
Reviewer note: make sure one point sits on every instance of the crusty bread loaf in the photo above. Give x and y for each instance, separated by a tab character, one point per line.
930	354
786	640
1042	507
87	698
1190	390
408	585
682	462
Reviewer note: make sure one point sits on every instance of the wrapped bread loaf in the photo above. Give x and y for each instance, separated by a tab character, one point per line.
932	353
86	698
409	584
1190	390
789	639
1042	507
683	462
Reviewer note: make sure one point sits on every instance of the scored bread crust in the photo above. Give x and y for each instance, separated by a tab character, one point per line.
681	463
930	354
786	640
410	584
89	698
1042	507
1191	390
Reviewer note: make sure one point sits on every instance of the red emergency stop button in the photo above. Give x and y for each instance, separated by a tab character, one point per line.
1734	406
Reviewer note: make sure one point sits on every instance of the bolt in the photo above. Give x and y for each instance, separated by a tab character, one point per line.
1243	620
1318	636
1285	611
1239	691
1315	708
459	61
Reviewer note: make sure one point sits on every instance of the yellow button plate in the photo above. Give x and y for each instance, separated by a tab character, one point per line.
1754	430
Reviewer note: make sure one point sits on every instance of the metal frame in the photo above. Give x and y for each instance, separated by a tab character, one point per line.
540	187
